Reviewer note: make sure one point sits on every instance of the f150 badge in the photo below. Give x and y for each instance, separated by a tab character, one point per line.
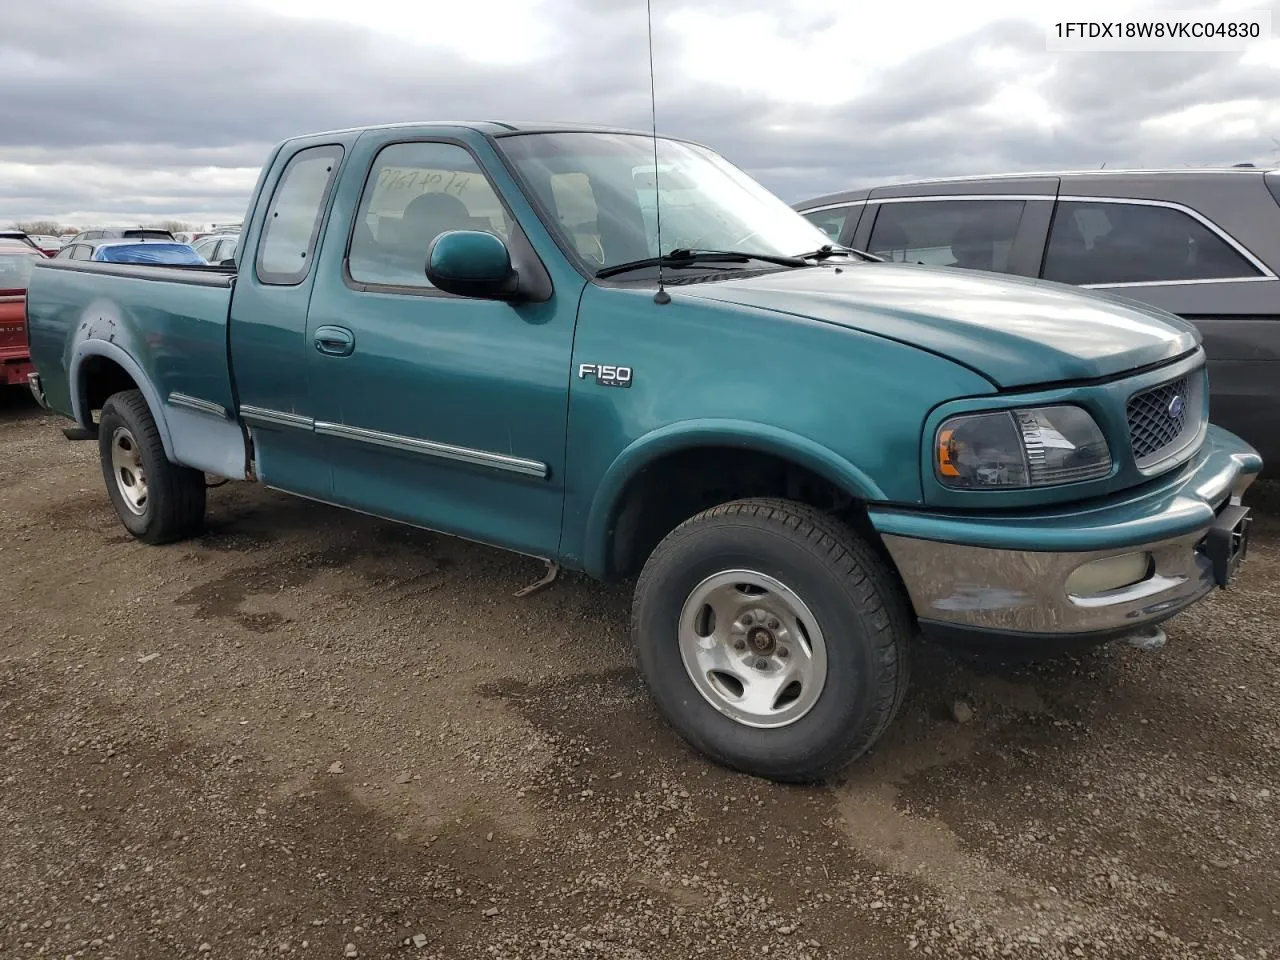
606	374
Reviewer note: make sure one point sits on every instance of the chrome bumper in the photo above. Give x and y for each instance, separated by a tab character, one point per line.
37	390
1025	592
968	591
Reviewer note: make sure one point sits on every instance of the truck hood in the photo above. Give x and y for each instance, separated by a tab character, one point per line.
1014	331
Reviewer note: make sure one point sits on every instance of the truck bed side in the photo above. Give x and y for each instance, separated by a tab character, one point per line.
97	327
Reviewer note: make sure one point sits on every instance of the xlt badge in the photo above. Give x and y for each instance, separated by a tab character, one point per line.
606	374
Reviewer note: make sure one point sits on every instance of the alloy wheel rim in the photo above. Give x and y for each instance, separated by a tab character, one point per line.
752	648
126	467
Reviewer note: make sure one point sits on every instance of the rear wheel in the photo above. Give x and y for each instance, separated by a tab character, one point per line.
157	500
772	638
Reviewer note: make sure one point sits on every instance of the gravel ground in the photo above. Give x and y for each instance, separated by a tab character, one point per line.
310	733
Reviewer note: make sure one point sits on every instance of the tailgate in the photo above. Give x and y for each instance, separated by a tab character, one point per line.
13	334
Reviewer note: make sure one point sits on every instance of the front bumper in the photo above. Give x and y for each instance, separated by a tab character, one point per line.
1005	576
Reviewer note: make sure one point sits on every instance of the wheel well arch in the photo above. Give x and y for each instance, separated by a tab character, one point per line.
99	378
646	496
99	369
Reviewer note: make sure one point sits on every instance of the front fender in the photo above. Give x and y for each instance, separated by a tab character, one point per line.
690	434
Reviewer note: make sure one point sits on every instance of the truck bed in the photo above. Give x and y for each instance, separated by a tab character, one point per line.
164	327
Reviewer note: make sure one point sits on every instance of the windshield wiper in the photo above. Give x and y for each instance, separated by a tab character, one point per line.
836	250
682	257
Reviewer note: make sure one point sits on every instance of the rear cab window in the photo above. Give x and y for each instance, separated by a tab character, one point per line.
1101	242
975	234
293	220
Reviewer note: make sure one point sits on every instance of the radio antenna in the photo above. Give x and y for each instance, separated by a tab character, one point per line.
661	296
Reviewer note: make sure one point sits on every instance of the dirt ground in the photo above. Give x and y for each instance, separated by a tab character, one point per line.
310	733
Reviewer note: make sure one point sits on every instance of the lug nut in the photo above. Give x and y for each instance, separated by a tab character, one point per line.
747	619
739	644
773	623
761	663
783	653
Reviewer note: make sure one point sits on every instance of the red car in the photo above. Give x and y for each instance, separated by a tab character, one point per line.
16	260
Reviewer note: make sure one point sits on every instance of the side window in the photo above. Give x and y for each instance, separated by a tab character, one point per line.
80	251
831	221
1115	242
977	234
288	241
205	249
575	205
415	192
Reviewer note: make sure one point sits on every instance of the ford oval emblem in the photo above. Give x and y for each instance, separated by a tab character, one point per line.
1175	406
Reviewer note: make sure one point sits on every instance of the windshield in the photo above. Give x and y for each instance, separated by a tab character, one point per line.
599	191
16	261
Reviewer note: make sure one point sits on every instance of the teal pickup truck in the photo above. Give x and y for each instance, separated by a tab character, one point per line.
807	457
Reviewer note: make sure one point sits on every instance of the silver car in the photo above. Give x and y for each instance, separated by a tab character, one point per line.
1200	243
218	247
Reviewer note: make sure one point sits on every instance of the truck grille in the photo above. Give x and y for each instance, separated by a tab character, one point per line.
1164	419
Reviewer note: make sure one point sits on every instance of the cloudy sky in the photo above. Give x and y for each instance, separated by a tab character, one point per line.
130	110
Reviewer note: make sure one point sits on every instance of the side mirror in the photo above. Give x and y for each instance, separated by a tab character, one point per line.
472	263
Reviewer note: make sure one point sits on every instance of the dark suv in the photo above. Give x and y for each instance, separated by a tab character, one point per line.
1201	243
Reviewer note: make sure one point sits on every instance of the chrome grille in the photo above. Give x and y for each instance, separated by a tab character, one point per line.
1165	418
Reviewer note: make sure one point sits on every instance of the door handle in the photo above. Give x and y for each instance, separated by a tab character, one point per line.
335	341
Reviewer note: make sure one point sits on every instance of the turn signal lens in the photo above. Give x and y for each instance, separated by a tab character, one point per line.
946	465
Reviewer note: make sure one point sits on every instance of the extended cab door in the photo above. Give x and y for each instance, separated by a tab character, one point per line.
442	411
269	359
997	225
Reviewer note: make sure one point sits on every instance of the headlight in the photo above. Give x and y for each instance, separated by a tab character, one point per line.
1033	447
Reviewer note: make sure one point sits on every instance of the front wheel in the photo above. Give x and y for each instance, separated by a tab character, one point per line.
157	500
772	638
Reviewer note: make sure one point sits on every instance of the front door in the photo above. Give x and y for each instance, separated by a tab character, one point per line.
442	411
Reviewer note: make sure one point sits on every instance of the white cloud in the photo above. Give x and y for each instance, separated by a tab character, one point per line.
808	97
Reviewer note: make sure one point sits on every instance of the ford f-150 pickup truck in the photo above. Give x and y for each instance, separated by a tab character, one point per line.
621	355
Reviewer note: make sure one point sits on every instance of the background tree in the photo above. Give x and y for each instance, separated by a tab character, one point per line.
48	228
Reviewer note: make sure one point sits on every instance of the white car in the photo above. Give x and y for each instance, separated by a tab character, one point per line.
218	247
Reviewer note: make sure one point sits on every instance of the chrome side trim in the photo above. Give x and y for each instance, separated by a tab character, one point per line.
1175	283
1266	273
430	448
929	198
198	405
276	418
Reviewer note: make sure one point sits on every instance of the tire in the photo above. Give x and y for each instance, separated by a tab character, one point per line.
157	500
857	625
